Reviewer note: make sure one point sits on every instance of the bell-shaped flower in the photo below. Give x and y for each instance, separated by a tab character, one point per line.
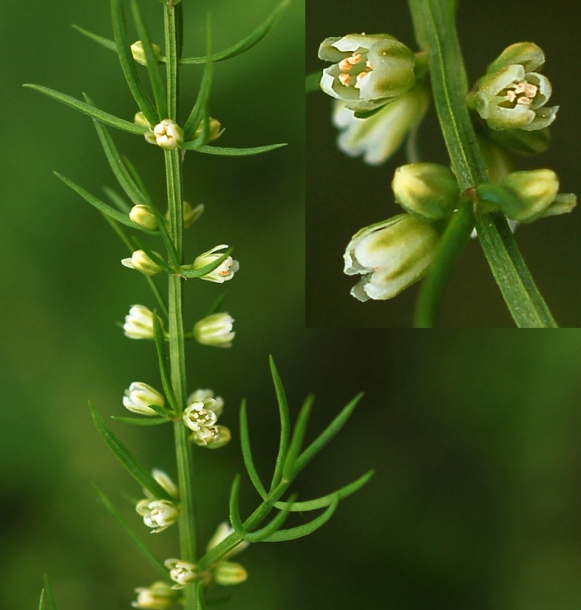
181	572
390	255
201	416
140	396
215	329
139	323
164	480
512	95
368	71
158	514
159	596
225	572
223	272
378	136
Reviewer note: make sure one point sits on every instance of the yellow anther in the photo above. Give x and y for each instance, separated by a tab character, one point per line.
344	79
359	78
345	65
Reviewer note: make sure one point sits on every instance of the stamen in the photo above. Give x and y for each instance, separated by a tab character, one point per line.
345	65
359	78
344	79
354	59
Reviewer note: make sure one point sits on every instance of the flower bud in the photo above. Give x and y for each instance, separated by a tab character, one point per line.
149	136
139	323
214	132
215	329
426	190
141	262
378	136
181	572
391	255
157	514
511	95
536	196
229	573
163	479
168	134
224	272
143	216
157	597
369	70
222	532
140	396
138	52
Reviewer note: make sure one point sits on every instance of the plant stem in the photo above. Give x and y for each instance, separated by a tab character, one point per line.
174	177
434	24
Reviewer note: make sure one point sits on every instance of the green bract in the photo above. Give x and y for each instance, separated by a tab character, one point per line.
378	136
512	95
391	255
369	70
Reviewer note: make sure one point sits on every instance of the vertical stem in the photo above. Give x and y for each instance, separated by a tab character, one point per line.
173	168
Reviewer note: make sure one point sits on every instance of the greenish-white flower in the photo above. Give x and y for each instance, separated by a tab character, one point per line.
226	572
368	71
223	272
201	416
378	136
390	255
139	323
159	596
215	330
168	134
164	480
513	94
157	514
139	396
181	572
140	261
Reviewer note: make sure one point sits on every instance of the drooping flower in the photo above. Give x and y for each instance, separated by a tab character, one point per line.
225	572
139	323
157	514
143	216
390	255
159	596
168	134
378	136
368	71
140	261
201	416
215	329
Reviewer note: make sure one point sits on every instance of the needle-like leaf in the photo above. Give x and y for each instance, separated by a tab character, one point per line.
247	452
285	426
230	152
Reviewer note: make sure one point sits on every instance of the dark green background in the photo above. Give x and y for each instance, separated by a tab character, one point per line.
474	435
344	195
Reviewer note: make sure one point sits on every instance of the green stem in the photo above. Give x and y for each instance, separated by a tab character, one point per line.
173	168
434	24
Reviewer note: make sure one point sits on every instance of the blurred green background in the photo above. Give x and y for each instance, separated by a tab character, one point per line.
345	195
474	436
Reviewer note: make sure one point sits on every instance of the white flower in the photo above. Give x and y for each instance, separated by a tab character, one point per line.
391	255
139	323
139	396
223	272
215	330
157	597
181	572
168	134
163	479
369	70
200	417
378	136
157	514
143	216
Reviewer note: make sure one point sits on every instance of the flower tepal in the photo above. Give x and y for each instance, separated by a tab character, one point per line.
368	71
513	94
